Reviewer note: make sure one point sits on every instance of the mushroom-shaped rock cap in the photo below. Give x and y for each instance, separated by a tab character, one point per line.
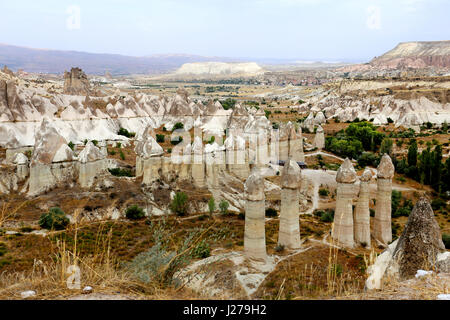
366	176
90	153
346	173
20	158
292	175
254	187
386	168
151	148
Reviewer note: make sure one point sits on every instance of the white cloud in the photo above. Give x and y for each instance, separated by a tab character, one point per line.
373	21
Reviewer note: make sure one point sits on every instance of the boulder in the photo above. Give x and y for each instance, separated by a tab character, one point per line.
419	244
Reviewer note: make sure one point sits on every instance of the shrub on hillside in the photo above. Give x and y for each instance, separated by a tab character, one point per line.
134	212
54	219
223	207
271	212
179	204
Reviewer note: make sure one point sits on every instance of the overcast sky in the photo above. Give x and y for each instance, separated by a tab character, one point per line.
332	30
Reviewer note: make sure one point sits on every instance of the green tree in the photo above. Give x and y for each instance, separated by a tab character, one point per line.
54	219
223	206
179	204
436	168
386	146
134	212
211	205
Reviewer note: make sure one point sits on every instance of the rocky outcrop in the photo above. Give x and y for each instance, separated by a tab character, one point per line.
419	244
420	247
76	82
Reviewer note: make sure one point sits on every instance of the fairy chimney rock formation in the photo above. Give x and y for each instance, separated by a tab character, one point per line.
382	222
151	156
319	139
92	163
76	82
198	165
289	233
362	213
50	148
22	169
343	217
254	234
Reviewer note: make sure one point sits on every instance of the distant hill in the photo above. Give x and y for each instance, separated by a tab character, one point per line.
416	55
56	61
219	69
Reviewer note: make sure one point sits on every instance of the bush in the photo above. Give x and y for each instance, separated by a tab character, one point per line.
446	240
71	145
327	217
336	269
178	125
279	248
122	155
160	138
124	132
134	213
202	250
223	207
179	204
118	172
211	205
54	219
271	212
437	204
324	192
3	249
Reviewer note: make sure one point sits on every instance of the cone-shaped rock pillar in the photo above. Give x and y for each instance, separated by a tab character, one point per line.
362	214
382	223
254	234
289	233
343	216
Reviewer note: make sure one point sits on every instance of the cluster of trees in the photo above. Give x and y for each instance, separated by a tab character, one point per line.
353	141
426	167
